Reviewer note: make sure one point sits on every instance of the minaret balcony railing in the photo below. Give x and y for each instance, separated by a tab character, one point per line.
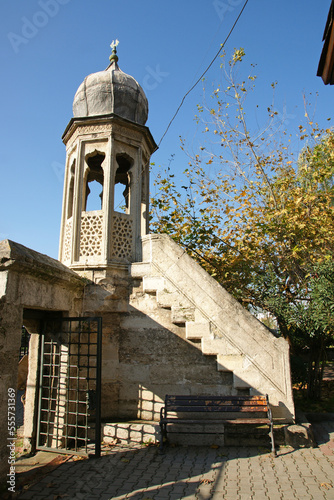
91	233
122	236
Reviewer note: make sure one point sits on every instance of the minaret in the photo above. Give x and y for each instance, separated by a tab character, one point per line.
108	146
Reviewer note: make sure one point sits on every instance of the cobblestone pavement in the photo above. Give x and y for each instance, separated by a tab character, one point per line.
141	473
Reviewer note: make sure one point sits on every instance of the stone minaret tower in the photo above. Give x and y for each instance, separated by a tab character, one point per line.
109	147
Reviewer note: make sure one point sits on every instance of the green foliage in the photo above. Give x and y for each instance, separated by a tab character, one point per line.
256	215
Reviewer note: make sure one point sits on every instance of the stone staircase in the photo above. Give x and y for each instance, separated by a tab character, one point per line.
184	334
217	324
198	330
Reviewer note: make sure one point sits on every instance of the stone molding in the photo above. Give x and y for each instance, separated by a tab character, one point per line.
103	124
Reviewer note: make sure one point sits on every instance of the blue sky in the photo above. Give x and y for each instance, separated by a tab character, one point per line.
49	46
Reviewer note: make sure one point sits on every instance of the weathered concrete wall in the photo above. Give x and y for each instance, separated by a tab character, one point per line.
145	352
156	359
109	298
28	280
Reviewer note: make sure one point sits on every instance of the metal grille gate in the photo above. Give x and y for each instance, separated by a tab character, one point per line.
69	415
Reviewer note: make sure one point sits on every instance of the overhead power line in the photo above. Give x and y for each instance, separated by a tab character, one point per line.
204	72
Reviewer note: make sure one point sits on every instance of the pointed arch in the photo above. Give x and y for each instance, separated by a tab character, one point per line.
94	176
123	178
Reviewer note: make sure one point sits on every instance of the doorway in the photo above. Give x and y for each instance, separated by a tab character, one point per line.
69	399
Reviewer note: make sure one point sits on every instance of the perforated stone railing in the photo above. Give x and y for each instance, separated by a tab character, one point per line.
91	234
122	236
67	239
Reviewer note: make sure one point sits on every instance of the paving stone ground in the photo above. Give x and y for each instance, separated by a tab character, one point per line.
201	473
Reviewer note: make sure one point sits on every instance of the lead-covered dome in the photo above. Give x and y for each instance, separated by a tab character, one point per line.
111	91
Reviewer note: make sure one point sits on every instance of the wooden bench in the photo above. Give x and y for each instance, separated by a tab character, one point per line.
219	410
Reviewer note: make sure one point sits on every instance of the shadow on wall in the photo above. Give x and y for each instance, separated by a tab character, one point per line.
156	359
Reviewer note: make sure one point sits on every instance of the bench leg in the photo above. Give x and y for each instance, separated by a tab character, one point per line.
271	432
162	435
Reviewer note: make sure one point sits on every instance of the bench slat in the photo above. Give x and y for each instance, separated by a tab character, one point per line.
214	398
206	409
209	402
218	399
259	421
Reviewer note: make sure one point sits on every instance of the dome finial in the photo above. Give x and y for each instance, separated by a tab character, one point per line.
114	56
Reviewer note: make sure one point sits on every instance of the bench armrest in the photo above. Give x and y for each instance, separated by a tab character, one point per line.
162	412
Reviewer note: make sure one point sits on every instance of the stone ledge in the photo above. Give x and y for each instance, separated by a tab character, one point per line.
140	269
147	431
19	258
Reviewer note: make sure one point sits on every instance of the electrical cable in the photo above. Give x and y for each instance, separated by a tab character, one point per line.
200	78
207	69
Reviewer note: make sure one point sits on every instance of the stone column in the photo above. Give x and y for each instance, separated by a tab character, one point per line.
77	204
108	198
136	206
145	204
31	399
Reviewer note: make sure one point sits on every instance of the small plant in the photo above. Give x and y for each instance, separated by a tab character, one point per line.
148	443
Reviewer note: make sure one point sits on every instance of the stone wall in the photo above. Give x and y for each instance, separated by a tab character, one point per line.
145	353
28	280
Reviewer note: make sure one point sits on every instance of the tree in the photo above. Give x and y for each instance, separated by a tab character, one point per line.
257	215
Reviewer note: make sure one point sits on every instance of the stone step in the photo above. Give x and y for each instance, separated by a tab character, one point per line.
219	346
212	346
145	432
237	364
247	435
181	315
153	284
240	383
228	359
140	269
230	363
197	331
167	299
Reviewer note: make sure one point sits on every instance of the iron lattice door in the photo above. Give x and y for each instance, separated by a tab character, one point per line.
69	414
